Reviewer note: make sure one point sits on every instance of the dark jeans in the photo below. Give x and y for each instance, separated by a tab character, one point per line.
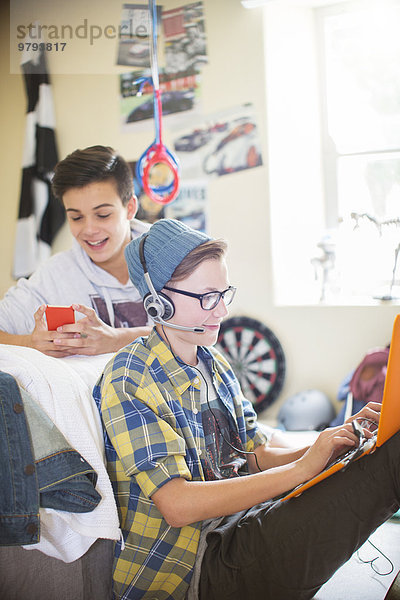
288	550
57	478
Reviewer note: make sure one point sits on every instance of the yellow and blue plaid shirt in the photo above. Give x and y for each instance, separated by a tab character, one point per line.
151	411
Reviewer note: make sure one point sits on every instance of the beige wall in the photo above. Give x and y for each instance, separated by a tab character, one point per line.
321	343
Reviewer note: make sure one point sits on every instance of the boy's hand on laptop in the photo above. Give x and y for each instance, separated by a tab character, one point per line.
330	444
368	418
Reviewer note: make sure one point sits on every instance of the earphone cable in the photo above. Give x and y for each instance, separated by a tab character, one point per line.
245	452
372	561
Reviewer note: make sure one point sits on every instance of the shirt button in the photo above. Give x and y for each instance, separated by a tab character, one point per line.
196	380
195	411
18	408
199	452
29	469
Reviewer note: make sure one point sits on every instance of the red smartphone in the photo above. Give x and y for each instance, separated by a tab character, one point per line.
59	315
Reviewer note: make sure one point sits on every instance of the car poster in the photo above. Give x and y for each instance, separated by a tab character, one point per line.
148	210
178	96
223	143
134	36
182	51
190	206
185	43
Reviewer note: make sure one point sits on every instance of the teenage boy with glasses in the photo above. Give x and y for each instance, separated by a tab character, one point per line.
195	479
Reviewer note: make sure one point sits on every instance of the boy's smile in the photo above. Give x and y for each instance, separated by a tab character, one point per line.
100	222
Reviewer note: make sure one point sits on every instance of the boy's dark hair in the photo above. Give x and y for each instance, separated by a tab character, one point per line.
93	164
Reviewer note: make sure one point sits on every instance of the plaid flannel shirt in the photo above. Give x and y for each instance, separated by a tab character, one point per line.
150	407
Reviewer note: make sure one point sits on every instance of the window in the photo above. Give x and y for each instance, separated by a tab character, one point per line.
342	114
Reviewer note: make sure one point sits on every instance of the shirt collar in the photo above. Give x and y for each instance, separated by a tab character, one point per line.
180	374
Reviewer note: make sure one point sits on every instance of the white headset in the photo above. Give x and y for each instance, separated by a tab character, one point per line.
157	305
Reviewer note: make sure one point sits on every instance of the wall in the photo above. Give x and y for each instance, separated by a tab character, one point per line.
321	344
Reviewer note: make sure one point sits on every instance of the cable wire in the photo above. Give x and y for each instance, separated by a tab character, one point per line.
240	451
372	561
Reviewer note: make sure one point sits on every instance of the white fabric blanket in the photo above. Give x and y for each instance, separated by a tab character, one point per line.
63	388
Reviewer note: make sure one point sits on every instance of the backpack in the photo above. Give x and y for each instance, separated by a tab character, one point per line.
363	385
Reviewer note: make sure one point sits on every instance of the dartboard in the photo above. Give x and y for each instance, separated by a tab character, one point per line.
256	357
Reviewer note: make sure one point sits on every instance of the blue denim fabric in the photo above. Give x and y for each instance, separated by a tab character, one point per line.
37	468
19	492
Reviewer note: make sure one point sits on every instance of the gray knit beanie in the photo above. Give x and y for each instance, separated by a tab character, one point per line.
167	243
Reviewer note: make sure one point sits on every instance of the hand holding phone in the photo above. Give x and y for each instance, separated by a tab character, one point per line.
59	315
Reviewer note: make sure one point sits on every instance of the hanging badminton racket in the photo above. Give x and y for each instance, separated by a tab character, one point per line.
157	153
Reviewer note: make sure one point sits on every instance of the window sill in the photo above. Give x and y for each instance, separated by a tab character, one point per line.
342	302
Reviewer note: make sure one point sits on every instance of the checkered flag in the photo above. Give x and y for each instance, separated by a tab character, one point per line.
40	214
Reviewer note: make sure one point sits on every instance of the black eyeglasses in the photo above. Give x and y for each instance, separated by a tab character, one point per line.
209	300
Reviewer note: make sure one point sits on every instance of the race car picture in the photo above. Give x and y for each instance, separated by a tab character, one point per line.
238	150
192	141
172	102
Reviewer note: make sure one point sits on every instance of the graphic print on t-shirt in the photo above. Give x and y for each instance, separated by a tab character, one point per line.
126	313
221	460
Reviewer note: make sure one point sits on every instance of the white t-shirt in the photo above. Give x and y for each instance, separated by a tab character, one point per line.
71	277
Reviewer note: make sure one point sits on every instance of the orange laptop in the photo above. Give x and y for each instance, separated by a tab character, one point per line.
389	422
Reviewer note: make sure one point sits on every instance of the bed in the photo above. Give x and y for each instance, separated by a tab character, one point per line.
73	558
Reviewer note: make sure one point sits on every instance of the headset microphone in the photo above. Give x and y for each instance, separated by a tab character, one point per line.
181	327
156	304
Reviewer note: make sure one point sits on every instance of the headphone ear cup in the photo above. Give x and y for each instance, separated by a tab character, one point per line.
158	308
169	308
153	309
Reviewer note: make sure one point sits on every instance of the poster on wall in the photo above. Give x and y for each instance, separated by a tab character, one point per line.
223	143
185	43
181	53
178	96
190	206
135	32
148	210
